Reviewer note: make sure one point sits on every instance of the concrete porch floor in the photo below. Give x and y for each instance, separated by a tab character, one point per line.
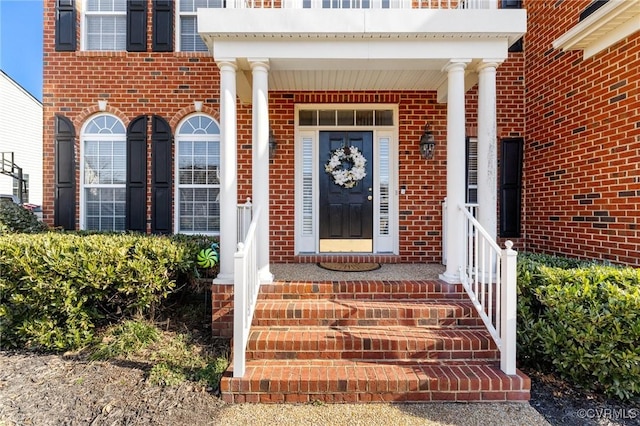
387	272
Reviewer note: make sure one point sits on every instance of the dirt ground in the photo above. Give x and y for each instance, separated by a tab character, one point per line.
54	390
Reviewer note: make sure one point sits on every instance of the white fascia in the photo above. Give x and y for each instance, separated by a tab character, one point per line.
613	22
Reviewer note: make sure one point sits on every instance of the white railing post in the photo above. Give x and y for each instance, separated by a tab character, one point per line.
239	302
244	219
508	309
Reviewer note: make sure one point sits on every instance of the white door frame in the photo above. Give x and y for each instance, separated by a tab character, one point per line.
307	169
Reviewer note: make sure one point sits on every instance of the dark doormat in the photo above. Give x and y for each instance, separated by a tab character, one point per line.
349	267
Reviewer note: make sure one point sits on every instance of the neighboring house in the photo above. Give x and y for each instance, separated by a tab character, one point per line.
20	141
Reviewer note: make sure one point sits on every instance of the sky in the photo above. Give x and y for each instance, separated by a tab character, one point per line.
21	43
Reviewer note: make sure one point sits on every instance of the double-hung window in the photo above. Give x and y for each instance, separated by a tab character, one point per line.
187	27
198	176
105	24
104	174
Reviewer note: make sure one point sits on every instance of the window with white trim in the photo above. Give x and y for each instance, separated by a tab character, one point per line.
187	26
104	174
105	25
198	176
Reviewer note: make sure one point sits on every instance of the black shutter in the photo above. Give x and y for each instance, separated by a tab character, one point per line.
137	25
65	26
162	26
161	154
64	208
136	209
511	187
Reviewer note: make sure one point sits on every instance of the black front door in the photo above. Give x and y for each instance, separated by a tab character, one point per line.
346	205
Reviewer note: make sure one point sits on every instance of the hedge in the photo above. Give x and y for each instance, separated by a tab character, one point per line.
56	288
581	320
14	218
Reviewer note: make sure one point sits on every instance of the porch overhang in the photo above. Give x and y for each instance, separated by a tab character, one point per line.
357	49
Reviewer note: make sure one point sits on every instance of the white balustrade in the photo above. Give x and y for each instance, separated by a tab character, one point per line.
489	278
362	4
245	294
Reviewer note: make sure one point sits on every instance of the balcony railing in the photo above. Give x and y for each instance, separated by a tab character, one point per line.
361	4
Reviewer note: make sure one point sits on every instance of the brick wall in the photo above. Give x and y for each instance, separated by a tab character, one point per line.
166	84
582	189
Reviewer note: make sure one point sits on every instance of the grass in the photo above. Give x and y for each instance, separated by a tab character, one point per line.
175	350
123	340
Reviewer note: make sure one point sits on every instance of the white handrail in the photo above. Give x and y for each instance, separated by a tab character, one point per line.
245	294
489	278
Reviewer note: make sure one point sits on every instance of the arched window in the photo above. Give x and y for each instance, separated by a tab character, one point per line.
198	176
103	174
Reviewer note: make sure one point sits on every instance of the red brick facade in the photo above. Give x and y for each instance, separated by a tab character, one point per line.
582	186
582	153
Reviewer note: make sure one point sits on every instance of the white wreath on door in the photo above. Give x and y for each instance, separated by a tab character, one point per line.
349	176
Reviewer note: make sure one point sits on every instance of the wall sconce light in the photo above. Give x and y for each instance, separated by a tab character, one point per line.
427	143
273	144
197	105
102	104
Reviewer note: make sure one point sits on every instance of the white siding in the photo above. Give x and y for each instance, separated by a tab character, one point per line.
21	133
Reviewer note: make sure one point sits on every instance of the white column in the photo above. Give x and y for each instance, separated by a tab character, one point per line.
487	152
228	171
260	176
456	166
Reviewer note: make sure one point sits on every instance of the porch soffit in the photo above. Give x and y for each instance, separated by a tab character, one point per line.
357	49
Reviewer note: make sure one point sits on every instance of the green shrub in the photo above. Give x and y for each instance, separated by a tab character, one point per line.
14	218
581	320
56	287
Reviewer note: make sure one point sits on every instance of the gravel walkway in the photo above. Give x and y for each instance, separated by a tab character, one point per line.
507	414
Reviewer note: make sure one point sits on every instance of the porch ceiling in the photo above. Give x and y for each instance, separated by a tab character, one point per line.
357	49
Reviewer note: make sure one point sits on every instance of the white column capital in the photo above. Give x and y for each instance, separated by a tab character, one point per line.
227	63
259	64
456	64
488	64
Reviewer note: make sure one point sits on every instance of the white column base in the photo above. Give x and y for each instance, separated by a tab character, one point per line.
450	279
265	275
223	279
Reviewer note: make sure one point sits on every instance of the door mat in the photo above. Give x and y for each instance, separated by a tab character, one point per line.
349	267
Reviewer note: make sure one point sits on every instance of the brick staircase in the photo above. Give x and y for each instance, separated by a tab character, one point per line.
370	341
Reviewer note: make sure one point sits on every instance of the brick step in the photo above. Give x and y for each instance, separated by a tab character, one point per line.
351	381
370	343
385	290
345	312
